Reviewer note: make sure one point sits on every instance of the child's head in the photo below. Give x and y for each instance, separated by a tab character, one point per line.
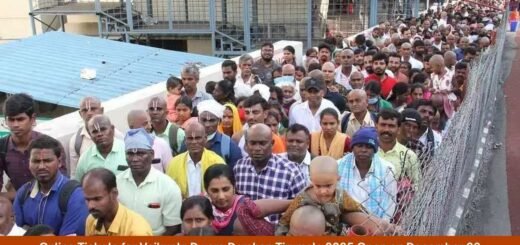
324	178
183	107
174	85
307	220
210	86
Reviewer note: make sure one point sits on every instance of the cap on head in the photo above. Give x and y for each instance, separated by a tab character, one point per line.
367	136
314	83
138	139
411	115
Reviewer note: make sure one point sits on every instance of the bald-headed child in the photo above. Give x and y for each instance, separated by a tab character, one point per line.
307	221
338	206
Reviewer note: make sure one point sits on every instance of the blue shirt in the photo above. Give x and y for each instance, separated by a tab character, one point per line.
234	154
41	209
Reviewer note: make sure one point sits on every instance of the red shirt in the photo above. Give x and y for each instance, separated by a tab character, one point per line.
386	85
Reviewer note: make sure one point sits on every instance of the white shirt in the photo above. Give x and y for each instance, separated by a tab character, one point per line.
242	89
415	63
194	173
16	231
343	79
302	114
239	79
437	138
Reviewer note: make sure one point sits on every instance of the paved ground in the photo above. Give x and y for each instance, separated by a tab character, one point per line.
512	98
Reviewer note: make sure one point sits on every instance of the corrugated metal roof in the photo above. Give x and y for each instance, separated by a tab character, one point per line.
48	67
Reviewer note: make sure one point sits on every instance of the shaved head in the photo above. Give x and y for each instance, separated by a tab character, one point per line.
139	119
6	216
88	107
324	165
307	221
437	59
195	127
288	70
259	143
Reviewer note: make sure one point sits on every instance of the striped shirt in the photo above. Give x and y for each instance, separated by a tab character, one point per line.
279	179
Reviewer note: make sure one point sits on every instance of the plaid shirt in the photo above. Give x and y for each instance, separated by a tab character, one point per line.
279	179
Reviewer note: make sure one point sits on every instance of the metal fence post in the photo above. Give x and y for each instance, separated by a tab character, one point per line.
309	23
129	15
33	24
247	24
212	24
373	13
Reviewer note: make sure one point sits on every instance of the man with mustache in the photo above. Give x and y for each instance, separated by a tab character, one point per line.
297	140
379	63
162	128
359	115
406	55
146	190
265	66
368	178
107	151
403	159
107	216
51	198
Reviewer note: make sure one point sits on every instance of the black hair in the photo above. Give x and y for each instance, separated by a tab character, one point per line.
277	69
290	49
217	171
314	66
268	44
380	56
173	82
240	99
400	88
329	111
18	104
422	102
358	51
374	87
210	86
38	230
276	116
360	39
310	51
418	43
185	100
461	65
197	201
370	52
389	114
416	86
470	50
394	55
255	100
104	175
228	88
46	142
326	46
230	63
295	128
279	93
301	69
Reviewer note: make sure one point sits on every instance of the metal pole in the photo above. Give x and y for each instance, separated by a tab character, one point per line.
170	15
309	23
373	13
100	27
33	24
149	8
62	23
129	14
224	12
212	24
416	8
247	25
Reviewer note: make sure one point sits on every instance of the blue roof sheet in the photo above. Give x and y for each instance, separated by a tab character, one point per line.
48	67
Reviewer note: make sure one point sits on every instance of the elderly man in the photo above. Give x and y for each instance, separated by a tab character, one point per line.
107	216
406	55
210	115
262	175
450	59
403	159
265	66
229	72
7	225
162	152
333	91
357	81
107	151
190	78
147	191
162	128
308	112
51	198
297	140
359	116
245	62
345	70
188	168
366	177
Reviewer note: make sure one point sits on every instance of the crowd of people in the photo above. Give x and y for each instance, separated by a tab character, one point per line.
316	146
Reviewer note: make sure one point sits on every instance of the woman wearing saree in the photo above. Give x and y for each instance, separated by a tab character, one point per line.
329	141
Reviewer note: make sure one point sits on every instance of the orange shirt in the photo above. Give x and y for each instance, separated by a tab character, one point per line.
279	145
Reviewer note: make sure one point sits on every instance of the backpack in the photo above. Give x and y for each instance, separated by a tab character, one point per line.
344	120
4	142
172	138
78	142
64	193
224	147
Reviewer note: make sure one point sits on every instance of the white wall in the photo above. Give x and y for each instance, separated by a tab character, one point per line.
62	128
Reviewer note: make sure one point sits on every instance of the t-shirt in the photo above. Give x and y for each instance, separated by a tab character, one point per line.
386	84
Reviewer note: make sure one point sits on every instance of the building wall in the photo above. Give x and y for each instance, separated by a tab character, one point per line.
202	46
14	20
